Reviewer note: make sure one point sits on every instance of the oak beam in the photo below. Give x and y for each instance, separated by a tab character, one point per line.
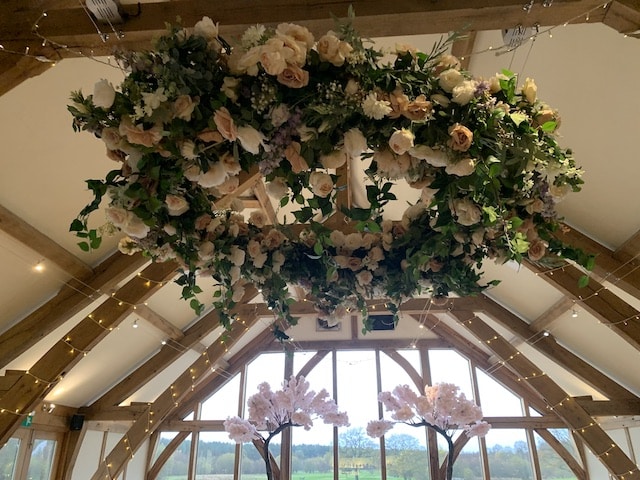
609	408
159	322
166	355
576	418
199	371
37	241
550	347
71	298
33	386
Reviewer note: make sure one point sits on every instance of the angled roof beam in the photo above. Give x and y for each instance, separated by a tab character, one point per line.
576	418
33	386
171	398
73	297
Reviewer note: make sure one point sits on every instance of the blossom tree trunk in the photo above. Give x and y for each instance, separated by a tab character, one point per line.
449	439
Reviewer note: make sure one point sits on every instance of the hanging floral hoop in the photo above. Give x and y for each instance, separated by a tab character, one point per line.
194	117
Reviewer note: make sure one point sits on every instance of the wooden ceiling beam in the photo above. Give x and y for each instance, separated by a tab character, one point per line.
576	418
609	408
550	348
609	309
159	322
171	398
165	356
73	297
619	267
33	386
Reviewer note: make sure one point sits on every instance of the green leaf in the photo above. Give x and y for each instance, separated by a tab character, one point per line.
549	126
583	281
284	201
76	226
84	246
318	249
518	117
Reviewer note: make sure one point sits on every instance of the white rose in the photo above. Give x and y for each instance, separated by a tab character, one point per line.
337	238
229	85
169	229
427	194
466	211
461	168
440	99
234	274
206	28
335	159
355	144
251	139
464	92
205	251
238	292
353	241
449	79
237	256
277	188
136	227
231	164
128	246
111	138
118	216
229	185
103	94
272	57
401	141
277	260
176	205
213	177
436	158
321	184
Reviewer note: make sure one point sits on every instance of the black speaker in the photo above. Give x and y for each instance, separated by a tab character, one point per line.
76	422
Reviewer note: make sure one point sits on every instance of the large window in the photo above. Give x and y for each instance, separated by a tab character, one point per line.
355	377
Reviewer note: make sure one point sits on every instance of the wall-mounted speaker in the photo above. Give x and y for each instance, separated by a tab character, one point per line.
76	422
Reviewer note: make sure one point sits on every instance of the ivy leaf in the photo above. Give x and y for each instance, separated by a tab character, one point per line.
549	127
583	281
518	118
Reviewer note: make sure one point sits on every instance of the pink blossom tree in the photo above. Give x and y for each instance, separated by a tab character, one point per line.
442	408
293	406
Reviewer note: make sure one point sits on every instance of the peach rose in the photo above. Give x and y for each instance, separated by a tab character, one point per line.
225	124
297	161
419	109
210	136
138	135
461	138
537	250
293	77
530	90
111	138
176	205
184	106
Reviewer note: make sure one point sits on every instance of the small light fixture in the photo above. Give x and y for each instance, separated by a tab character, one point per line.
48	407
574	313
39	267
135	324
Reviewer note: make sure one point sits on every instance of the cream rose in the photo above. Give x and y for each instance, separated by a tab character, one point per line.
136	227
229	185
225	124
464	92
277	188
251	139
258	218
530	90
299	33
427	195
272	57
449	79
103	94
434	157
231	164
331	49
466	211
214	176
279	115
118	216
364	277
335	159
401	141
111	138
176	205
188	150
321	184
461	168
353	241
206	28
229	86
138	135
419	109
537	250
461	138
337	238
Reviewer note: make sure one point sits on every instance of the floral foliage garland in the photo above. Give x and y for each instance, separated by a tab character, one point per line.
194	115
293	406
442	408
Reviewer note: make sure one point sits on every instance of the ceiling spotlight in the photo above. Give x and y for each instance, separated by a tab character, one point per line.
574	313
39	267
545	334
135	324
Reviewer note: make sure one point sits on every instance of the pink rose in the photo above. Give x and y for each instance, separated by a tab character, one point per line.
293	77
138	135
461	138
297	161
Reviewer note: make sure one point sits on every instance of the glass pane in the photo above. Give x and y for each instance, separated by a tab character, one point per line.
468	465
448	366
406	452
165	438
312	450
552	466
497	401
41	459
252	466
508	454
268	367
216	454
359	455
8	457
224	402
177	466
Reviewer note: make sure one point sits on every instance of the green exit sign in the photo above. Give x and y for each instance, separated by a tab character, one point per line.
27	421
